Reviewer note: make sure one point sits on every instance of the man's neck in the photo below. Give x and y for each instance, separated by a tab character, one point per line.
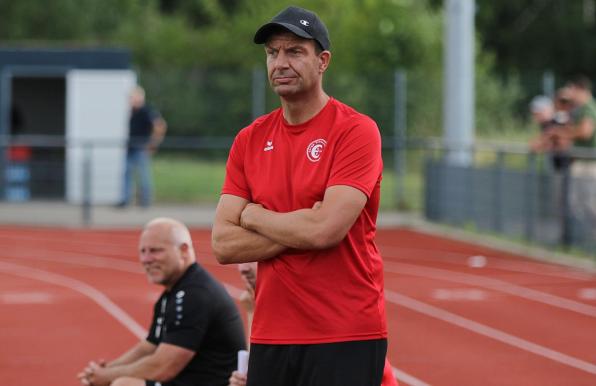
168	286
297	111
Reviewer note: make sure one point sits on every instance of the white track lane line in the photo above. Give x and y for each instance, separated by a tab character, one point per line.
89	261
493	284
407	378
112	263
534	267
102	262
112	247
94	294
487	331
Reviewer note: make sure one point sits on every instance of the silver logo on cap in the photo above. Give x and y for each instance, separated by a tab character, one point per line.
304	23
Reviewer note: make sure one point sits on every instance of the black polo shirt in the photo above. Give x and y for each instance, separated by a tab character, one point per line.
199	315
141	125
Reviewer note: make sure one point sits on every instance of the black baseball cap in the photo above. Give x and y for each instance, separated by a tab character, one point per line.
299	21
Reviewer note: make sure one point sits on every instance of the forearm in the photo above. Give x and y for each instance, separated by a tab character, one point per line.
142	349
301	229
148	368
233	244
322	226
157	134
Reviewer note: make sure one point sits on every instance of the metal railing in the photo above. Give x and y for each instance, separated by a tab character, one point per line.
506	190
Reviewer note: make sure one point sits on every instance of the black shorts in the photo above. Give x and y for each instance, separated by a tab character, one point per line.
357	363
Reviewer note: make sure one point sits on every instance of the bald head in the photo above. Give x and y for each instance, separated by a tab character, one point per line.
176	231
165	250
137	97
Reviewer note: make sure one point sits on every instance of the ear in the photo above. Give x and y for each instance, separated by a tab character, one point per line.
184	250
324	60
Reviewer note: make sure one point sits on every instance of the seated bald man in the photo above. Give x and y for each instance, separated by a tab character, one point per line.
196	330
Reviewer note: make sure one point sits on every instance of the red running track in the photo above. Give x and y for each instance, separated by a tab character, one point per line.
458	314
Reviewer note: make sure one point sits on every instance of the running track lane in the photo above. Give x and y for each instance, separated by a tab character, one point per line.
514	322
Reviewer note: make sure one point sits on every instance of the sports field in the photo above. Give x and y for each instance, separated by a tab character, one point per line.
458	314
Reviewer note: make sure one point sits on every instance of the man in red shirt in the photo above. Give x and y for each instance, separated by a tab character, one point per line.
301	196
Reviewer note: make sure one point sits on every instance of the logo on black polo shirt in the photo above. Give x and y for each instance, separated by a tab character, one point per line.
315	150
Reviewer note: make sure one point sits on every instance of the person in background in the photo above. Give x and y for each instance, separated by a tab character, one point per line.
146	131
580	133
196	330
549	117
563	105
248	272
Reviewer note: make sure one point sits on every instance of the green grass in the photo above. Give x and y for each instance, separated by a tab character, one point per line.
186	179
183	179
412	199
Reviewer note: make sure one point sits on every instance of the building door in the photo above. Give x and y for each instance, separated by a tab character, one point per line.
97	112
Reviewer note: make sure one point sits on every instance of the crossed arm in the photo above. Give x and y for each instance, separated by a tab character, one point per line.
244	231
144	361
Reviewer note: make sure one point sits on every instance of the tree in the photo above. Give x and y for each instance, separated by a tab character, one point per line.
536	35
195	57
65	20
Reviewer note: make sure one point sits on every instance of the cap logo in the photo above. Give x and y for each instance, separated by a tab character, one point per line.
304	23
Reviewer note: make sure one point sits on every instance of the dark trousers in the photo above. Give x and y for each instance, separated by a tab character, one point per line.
357	363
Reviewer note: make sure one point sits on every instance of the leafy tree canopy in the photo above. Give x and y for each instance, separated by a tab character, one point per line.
176	44
366	34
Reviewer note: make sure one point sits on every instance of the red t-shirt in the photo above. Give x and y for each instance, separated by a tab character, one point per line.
317	296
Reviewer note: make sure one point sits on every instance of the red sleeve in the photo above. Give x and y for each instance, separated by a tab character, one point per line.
357	159
235	182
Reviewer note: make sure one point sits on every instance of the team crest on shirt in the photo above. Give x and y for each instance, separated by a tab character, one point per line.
269	146
315	150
